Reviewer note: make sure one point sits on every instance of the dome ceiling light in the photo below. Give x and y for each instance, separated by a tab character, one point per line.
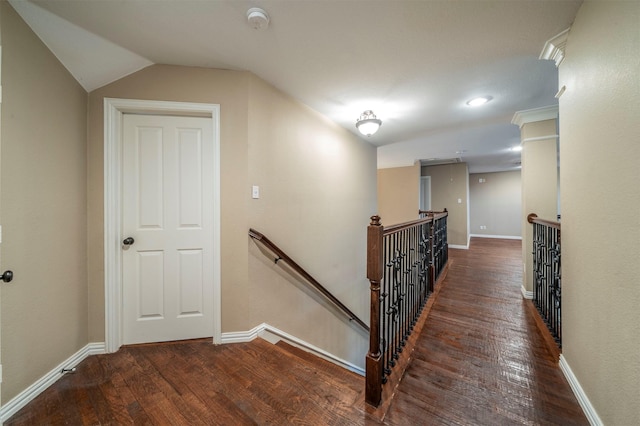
479	101
368	123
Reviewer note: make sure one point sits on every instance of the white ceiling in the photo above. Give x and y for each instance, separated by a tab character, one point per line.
414	63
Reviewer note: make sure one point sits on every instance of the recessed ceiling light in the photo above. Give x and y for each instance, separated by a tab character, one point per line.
479	101
462	151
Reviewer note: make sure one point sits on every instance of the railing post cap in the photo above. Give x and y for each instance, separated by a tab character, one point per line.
375	220
531	217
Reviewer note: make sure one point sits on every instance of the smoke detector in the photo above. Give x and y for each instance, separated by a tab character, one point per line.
258	18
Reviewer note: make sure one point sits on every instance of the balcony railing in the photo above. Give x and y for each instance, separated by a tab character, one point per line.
403	264
547	274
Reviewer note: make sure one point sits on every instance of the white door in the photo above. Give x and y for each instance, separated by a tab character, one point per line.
167	209
425	193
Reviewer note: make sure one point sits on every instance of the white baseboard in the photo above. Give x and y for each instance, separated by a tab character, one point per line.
27	395
526	293
582	398
273	335
501	237
459	247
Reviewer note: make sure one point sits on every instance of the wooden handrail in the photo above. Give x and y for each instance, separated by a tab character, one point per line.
533	218
431	215
300	271
403	263
437	215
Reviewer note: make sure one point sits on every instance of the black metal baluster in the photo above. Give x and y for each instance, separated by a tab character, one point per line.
387	307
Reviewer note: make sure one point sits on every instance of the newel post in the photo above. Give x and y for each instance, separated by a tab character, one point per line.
373	392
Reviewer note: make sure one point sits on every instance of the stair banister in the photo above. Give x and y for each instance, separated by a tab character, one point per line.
303	273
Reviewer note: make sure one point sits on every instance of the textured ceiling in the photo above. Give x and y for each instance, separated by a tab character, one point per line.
415	63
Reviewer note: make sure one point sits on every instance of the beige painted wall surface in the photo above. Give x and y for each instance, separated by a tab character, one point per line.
539	184
229	89
44	309
449	183
317	192
399	194
599	152
496	204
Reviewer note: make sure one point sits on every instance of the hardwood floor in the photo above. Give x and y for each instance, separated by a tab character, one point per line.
479	360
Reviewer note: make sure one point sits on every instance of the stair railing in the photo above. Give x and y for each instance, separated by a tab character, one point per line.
403	263
547	274
281	255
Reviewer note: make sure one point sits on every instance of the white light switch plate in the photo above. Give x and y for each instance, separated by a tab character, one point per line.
255	192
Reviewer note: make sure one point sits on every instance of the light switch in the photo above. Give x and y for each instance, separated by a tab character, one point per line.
255	192
459	200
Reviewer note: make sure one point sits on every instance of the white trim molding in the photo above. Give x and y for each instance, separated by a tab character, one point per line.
273	335
114	110
459	246
553	49
540	138
27	395
501	237
526	294
583	400
520	118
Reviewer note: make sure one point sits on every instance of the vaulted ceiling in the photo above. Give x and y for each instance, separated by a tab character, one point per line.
414	63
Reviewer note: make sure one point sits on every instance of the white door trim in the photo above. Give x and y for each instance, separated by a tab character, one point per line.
113	115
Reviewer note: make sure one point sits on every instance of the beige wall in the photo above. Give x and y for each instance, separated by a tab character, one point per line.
317	192
449	183
185	84
43	169
496	204
539	183
399	194
599	176
317	184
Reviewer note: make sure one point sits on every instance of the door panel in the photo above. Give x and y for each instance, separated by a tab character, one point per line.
168	210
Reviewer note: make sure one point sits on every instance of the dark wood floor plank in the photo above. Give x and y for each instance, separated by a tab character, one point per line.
479	360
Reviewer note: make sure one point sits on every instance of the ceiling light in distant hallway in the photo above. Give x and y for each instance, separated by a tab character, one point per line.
516	148
368	123
479	101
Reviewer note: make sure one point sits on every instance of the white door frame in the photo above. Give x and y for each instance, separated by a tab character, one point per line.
113	116
424	180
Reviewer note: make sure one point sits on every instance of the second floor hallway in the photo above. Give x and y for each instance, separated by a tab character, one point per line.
479	360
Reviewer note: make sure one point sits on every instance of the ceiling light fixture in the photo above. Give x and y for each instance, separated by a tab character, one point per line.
368	123
516	148
479	101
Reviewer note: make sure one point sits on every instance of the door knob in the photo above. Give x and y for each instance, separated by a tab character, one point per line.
7	276
128	241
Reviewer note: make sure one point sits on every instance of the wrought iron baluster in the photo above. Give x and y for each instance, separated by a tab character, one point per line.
400	288
547	274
